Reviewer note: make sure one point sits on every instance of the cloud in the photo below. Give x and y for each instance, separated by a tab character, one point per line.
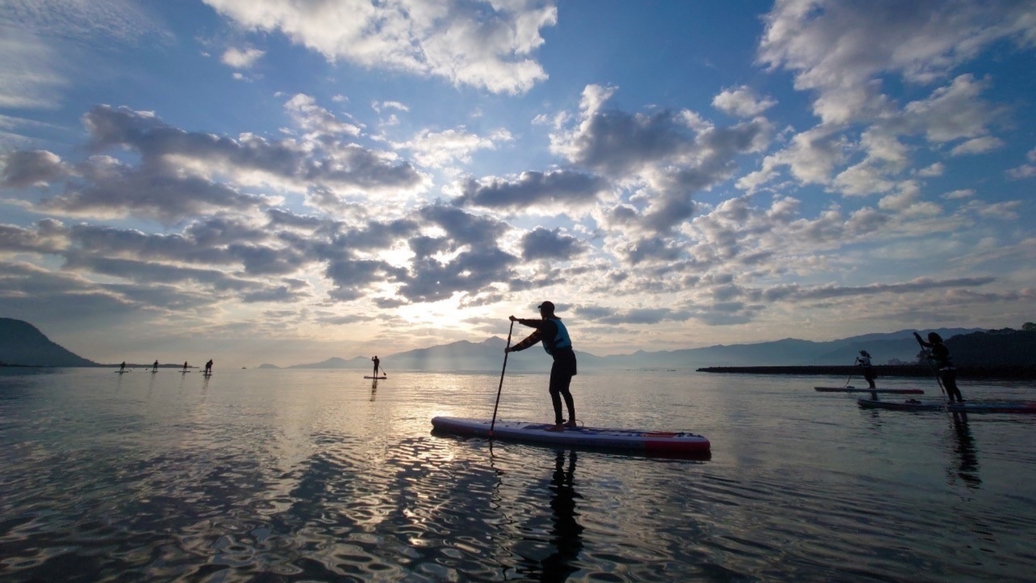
30	76
541	243
241	58
837	48
565	188
977	146
31	168
741	102
105	20
48	237
1025	170
823	292
181	174
481	44
439	149
959	194
672	154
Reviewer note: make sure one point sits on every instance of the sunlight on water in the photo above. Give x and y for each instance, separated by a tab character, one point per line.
320	475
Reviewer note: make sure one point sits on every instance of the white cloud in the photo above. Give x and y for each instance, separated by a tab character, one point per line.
482	44
241	58
977	146
29	71
839	48
439	149
959	194
741	102
936	169
1025	170
380	106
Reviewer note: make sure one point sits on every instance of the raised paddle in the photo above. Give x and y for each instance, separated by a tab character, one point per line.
492	423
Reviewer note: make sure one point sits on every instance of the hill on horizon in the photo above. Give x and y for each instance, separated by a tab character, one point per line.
23	344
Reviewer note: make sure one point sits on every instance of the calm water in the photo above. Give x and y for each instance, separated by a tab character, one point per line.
258	475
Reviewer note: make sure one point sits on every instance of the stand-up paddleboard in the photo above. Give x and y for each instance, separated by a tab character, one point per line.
376	378
966	407
852	389
657	443
184	371
121	371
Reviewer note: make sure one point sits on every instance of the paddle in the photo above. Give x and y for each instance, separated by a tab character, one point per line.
383	373
492	424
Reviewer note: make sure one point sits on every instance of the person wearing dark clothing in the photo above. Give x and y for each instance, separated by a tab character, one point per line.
939	355
154	367
864	360
208	367
377	365
558	344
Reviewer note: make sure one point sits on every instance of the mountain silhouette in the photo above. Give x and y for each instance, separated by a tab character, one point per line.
23	344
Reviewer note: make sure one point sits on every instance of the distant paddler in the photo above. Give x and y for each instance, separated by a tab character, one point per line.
864	361
377	365
122	367
208	367
185	366
154	367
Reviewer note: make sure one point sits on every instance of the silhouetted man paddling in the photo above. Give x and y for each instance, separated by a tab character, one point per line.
558	344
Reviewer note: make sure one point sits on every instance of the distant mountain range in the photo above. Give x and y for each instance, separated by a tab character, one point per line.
488	355
22	344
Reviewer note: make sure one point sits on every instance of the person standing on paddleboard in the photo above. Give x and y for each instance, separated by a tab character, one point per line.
558	344
377	365
864	360
940	355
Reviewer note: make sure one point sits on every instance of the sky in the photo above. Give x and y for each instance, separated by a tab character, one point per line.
286	181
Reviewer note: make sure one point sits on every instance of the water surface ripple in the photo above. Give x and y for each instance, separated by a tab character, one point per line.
321	476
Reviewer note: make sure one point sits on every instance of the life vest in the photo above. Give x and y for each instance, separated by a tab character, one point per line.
561	340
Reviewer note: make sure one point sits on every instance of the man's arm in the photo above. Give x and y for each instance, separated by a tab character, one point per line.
532	339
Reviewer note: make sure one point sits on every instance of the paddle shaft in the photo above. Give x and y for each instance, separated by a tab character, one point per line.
499	389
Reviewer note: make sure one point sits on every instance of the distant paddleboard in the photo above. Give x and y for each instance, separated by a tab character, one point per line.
652	443
377	378
122	371
967	407
855	390
184	371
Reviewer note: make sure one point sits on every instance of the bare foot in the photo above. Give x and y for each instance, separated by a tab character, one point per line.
558	427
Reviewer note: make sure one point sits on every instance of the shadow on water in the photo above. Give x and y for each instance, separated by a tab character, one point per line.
963	445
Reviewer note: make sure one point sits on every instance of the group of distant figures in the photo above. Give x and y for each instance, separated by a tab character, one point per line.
154	367
938	356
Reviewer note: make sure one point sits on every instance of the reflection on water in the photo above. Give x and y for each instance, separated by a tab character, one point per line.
296	475
964	447
374	388
566	531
